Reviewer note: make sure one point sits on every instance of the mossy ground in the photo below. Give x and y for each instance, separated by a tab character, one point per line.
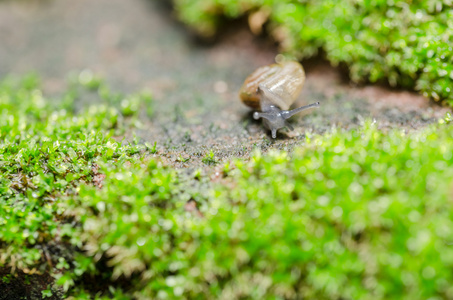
180	194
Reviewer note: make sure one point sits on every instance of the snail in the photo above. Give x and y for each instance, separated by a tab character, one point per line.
271	90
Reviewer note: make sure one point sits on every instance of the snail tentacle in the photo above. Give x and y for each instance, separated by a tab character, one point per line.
289	113
257	115
274	133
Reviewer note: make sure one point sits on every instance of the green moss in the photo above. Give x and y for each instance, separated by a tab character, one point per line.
360	214
46	152
409	45
352	215
209	158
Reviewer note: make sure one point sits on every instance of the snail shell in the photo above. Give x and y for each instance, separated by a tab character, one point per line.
284	80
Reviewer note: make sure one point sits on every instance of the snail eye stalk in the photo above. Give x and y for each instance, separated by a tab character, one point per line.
289	113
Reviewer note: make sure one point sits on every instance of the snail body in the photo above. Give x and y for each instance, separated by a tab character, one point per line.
271	90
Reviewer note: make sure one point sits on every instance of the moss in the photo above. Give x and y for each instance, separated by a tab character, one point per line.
351	215
408	45
46	152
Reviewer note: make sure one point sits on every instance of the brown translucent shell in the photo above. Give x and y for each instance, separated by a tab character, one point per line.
285	80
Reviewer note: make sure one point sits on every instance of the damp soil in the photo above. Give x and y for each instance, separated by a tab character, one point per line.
21	286
138	44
